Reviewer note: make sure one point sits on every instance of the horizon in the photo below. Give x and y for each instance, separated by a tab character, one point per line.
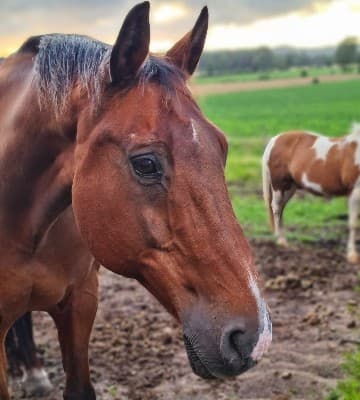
234	25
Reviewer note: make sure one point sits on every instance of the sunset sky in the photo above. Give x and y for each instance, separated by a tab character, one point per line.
233	23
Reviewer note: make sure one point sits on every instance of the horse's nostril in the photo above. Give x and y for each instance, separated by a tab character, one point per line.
236	344
237	337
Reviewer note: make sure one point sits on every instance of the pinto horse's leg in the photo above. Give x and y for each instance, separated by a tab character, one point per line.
21	351
74	320
279	200
354	202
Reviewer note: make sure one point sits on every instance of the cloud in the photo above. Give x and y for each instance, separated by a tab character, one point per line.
247	11
102	20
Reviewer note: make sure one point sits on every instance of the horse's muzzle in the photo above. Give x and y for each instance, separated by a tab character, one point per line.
228	354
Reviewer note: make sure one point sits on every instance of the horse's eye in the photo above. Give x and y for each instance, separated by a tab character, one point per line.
146	166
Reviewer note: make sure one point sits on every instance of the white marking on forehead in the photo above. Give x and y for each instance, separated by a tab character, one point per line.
265	328
315	187
322	146
195	133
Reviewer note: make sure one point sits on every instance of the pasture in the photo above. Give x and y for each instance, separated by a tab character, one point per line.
272	74
137	351
250	119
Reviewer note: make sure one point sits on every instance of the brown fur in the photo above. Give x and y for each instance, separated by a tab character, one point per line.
68	193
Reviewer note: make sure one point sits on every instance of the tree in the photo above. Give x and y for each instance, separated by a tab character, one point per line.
346	52
263	59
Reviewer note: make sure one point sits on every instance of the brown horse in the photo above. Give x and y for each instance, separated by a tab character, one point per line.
320	165
105	155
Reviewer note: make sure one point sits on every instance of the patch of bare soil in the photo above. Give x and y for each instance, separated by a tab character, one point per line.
137	351
230	87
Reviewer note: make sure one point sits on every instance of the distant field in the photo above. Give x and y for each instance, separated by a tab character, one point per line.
275	74
249	119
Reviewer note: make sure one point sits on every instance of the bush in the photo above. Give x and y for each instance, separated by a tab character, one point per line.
264	77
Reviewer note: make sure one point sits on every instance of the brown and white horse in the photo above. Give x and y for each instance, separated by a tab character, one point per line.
320	165
104	154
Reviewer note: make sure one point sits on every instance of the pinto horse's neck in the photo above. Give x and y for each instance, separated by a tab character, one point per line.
36	157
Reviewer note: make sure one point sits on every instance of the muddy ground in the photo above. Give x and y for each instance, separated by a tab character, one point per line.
137	351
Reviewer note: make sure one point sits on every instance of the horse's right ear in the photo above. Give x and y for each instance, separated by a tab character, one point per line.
131	46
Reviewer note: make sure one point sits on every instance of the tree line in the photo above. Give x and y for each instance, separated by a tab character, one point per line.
265	58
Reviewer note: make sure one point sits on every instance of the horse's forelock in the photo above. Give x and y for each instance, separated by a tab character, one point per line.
62	61
65	60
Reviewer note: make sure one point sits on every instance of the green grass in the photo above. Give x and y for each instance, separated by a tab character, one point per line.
306	219
249	119
326	107
349	387
275	74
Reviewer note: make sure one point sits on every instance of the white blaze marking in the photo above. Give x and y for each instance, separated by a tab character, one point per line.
195	133
311	185
322	146
265	329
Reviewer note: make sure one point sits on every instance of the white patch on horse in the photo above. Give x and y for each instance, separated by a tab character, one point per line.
307	184
265	328
354	137
36	382
322	146
265	165
195	132
268	149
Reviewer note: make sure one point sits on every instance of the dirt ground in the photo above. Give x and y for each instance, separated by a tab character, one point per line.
137	351
229	87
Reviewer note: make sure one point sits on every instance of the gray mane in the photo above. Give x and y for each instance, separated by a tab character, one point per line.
65	60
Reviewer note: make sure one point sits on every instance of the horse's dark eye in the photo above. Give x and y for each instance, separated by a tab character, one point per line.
146	166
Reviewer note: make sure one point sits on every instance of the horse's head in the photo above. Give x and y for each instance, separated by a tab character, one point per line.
150	199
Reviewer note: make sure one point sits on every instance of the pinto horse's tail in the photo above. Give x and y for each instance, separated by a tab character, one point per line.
266	179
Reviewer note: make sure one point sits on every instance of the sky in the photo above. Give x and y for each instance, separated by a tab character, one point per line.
233	23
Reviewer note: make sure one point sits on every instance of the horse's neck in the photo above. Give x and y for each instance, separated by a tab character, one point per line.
35	163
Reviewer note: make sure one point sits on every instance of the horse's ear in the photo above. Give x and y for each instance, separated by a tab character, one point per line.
131	46
187	51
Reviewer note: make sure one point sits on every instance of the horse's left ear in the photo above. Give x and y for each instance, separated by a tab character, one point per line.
187	51
131	46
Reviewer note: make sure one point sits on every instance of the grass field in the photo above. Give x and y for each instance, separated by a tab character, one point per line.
249	119
275	74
